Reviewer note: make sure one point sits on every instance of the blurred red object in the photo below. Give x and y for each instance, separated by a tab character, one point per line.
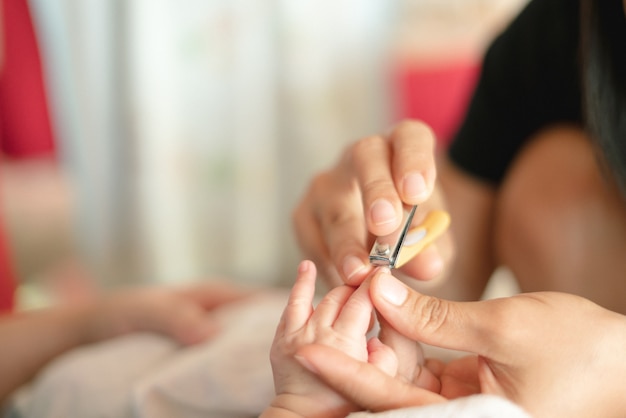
436	93
25	128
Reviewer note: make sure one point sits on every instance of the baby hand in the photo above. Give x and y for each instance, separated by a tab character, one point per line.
341	321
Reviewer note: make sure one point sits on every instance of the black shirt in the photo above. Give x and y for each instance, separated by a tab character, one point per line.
530	79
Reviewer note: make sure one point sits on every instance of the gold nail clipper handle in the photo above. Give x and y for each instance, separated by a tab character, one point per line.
418	238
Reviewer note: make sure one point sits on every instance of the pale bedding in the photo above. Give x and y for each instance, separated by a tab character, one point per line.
147	376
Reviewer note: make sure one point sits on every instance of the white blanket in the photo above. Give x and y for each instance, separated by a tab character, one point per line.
476	406
148	376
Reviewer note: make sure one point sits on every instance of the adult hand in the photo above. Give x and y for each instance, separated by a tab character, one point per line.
368	187
553	354
183	314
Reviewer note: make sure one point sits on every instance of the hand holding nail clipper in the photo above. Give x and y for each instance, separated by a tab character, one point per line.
397	249
364	198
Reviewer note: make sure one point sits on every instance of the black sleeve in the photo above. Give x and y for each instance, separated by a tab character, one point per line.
529	80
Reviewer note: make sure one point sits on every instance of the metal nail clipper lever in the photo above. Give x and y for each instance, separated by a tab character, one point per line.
398	248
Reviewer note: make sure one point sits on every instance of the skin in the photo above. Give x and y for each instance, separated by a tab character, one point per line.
30	340
384	172
365	189
556	220
329	220
340	321
561	222
575	372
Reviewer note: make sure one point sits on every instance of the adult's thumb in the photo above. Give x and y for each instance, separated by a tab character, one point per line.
454	325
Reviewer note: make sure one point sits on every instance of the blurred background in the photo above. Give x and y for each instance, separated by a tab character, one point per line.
187	130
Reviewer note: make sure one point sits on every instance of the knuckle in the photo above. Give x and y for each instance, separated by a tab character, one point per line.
335	216
432	313
336	297
378	185
364	146
319	184
414	130
358	305
320	191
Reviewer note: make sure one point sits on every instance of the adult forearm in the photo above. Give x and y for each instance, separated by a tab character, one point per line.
28	341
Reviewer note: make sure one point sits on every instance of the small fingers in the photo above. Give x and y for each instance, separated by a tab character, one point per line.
435	365
382	356
362	383
355	316
300	304
410	358
329	308
409	352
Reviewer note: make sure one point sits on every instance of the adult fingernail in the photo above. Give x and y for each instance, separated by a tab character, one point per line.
414	186
383	212
392	290
352	265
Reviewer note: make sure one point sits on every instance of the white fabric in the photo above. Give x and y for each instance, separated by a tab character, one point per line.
476	406
148	376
